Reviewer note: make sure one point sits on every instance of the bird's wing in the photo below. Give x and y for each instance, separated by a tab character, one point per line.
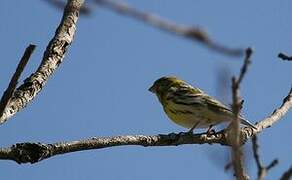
186	95
216	105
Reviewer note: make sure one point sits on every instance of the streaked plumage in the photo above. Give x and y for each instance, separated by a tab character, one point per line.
186	105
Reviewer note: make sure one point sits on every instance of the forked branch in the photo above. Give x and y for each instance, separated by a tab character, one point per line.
8	93
53	57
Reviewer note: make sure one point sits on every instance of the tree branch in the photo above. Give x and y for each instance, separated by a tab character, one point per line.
35	152
287	175
262	170
284	57
53	57
237	154
14	80
276	115
279	113
189	32
59	4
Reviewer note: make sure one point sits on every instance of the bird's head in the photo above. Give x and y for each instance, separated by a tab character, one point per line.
163	84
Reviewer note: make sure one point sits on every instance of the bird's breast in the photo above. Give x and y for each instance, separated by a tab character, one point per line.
187	115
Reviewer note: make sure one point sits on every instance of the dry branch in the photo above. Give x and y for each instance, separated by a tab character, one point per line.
287	175
284	57
276	115
60	4
14	80
52	58
35	152
262	170
193	33
237	154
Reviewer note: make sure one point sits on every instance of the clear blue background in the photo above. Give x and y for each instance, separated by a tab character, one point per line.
101	88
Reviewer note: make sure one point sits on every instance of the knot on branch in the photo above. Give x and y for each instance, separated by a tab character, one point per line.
197	34
245	134
30	152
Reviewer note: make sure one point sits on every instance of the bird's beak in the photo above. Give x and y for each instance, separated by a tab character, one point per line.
152	89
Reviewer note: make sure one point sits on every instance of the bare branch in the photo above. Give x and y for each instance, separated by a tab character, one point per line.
262	170
276	115
287	175
272	164
189	32
35	152
237	154
14	80
255	148
246	63
53	57
279	113
284	57
84	10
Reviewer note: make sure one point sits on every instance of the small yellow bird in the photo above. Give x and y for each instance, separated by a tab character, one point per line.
190	107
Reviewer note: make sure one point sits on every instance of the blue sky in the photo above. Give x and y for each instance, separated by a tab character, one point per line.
101	88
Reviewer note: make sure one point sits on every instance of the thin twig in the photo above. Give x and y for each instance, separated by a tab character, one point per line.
255	148
14	80
284	57
189	32
237	154
262	170
53	57
246	63
287	175
272	164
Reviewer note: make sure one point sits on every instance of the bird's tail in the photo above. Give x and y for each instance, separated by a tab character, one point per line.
247	123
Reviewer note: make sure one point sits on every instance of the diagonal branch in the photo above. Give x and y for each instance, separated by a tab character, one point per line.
276	115
14	80
246	63
35	152
193	33
52	58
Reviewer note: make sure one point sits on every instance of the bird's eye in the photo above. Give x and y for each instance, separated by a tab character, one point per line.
157	88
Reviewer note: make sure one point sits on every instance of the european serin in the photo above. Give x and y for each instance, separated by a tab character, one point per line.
190	107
